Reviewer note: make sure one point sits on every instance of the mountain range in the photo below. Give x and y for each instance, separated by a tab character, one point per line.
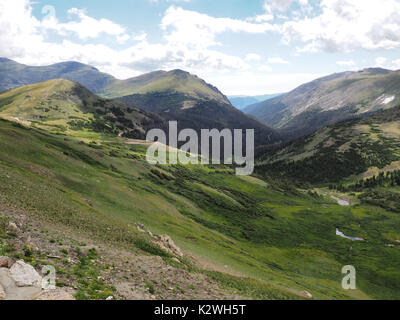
329	100
174	95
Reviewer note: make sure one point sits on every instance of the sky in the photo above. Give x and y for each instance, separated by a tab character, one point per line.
244	47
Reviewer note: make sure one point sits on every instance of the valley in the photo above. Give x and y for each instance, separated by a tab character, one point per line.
75	181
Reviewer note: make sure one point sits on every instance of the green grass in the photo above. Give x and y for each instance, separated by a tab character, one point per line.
276	241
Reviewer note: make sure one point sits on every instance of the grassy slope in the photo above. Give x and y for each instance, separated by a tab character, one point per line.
331	99
282	238
347	149
64	106
177	81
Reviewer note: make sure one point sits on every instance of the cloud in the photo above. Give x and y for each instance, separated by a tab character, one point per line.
252	57
190	28
85	27
282	5
349	63
265	67
258	83
382	62
277	60
25	39
347	25
140	37
396	64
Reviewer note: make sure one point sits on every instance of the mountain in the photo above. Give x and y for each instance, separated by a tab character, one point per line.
329	100
241	102
14	74
175	95
179	95
63	106
365	147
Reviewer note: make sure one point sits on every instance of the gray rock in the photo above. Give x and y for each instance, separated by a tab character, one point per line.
25	275
12	291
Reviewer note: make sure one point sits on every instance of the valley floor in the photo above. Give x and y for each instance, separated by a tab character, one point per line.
90	205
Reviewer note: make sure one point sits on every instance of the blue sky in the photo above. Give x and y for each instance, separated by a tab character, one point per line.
244	47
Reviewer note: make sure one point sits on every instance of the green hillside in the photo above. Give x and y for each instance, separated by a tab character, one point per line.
176	81
257	239
336	152
13	74
65	106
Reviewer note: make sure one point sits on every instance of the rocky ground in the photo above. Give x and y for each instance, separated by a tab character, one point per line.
85	269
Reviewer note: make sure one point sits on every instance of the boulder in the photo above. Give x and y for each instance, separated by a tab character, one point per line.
307	294
25	275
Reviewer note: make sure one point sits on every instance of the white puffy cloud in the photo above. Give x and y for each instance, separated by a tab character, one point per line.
346	25
190	28
385	63
396	64
25	39
277	60
86	27
252	57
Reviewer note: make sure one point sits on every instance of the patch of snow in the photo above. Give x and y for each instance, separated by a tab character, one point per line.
388	100
385	99
341	202
341	234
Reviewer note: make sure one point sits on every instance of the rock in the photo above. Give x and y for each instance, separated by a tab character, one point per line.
5	262
2	293
165	242
110	298
16	293
12	226
307	294
25	275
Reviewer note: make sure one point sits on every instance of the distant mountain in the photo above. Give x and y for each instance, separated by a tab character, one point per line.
329	100
64	106
14	74
241	102
339	151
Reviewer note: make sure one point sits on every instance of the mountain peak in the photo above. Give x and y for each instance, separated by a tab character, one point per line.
5	60
373	71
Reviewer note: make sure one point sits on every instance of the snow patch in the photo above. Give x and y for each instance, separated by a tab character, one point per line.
341	234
